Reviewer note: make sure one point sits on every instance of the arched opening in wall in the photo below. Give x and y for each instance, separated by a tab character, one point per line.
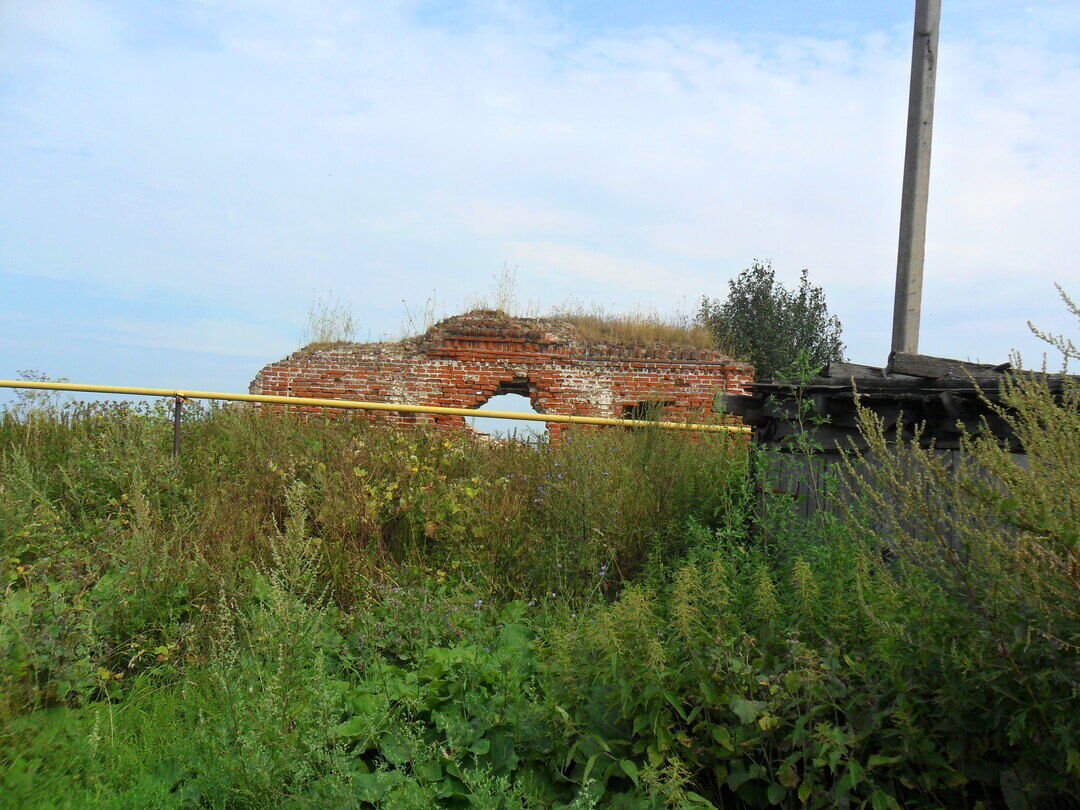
508	428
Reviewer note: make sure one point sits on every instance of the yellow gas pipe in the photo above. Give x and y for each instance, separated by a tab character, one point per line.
369	406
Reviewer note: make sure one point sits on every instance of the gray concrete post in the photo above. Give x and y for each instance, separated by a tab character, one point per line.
907	305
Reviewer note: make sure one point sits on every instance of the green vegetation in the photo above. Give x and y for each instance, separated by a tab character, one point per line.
773	327
338	614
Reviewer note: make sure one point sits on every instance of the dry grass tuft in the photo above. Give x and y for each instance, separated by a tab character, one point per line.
329	323
595	325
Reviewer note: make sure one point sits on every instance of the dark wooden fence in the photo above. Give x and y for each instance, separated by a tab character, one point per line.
806	426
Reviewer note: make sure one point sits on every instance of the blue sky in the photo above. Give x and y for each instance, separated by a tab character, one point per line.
180	180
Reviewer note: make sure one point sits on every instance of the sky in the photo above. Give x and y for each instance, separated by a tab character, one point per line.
179	181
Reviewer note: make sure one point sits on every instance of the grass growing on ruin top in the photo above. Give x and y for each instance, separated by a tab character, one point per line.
596	325
330	322
590	324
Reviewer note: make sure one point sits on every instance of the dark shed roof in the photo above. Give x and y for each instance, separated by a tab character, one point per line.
947	396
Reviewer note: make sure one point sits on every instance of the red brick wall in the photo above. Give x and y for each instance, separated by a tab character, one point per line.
465	360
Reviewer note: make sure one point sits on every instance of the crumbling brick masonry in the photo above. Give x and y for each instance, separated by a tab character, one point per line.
465	360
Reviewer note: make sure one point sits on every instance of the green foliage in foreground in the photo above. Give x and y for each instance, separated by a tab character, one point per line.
334	615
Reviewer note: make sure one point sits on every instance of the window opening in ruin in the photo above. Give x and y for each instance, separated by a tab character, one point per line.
652	410
508	428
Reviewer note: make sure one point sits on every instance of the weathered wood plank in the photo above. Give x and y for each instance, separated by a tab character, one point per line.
845	371
923	365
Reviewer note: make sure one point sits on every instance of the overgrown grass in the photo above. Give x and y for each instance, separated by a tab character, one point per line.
329	323
592	325
331	613
596	325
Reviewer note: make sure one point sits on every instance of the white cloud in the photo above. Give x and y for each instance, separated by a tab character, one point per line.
502	217
570	264
206	335
276	150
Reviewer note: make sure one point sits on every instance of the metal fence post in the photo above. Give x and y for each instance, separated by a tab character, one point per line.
177	406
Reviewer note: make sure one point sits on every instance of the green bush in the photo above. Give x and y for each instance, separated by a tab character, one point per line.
771	326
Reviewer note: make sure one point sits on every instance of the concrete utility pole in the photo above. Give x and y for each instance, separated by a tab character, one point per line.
907	307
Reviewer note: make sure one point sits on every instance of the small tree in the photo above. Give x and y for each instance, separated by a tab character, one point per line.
771	326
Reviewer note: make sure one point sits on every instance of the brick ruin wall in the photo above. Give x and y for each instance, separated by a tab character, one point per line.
464	361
